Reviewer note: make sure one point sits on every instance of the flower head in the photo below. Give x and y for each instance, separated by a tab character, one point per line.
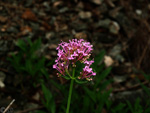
70	53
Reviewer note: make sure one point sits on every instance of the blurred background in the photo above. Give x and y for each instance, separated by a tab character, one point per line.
30	31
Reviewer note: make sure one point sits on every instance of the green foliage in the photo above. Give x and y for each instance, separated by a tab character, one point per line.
26	61
90	98
97	65
128	107
49	102
121	107
146	89
95	98
137	107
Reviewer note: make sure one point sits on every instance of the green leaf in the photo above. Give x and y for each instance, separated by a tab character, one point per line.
130	106
137	107
99	68
35	45
79	68
102	98
109	104
49	104
147	76
47	93
104	73
102	76
45	73
57	85
39	111
39	65
98	58
145	88
90	93
80	81
105	84
66	77
28	67
86	104
119	108
30	42
51	62
22	45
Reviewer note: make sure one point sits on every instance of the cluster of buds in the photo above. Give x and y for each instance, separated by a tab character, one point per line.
70	53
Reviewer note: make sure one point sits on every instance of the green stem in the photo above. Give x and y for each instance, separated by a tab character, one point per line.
70	91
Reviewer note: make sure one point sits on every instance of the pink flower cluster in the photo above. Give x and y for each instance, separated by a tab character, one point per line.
70	53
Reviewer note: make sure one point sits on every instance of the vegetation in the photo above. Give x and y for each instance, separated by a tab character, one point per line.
90	97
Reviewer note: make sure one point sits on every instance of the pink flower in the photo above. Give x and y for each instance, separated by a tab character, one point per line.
70	53
89	62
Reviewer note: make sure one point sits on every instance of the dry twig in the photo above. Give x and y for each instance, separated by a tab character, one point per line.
9	106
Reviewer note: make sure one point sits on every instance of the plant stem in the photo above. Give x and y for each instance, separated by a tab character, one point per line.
70	91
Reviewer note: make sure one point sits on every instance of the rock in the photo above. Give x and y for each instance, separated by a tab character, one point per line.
115	50
126	24
49	35
120	58
3	19
110	3
116	53
79	27
52	46
36	96
113	13
31	105
53	53
103	23
81	35
29	15
26	30
28	3
63	10
97	2
46	5
85	14
2	78
130	96
114	27
3	47
12	29
108	61
1	8
138	11
80	5
148	6
48	57
118	79
34	26
57	3
42	13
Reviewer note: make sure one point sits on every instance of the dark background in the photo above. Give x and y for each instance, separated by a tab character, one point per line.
121	27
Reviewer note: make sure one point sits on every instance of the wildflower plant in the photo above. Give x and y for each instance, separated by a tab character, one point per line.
69	54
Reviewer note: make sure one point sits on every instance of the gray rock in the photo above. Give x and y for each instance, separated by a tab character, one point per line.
12	29
3	47
131	96
115	50
97	2
104	23
119	79
114	27
85	14
2	78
